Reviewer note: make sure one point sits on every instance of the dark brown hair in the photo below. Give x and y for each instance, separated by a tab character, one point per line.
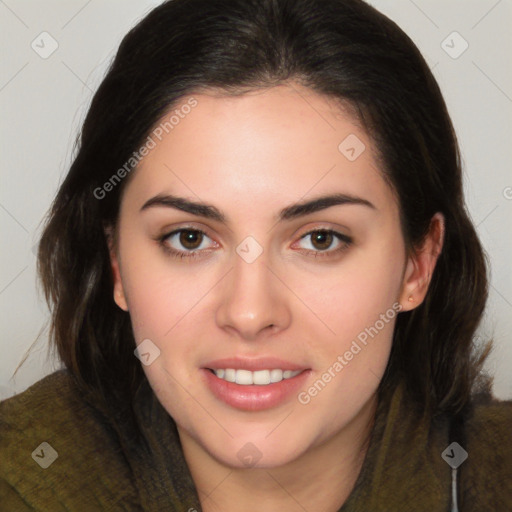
343	49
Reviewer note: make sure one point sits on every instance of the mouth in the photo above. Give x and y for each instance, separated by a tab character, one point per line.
254	385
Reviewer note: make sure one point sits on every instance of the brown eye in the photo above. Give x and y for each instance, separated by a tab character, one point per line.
190	239
325	242
321	240
185	242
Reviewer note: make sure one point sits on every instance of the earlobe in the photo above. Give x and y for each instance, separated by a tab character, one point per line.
120	299
119	296
421	265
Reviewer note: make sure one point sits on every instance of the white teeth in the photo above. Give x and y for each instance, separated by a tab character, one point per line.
260	377
243	377
229	375
276	375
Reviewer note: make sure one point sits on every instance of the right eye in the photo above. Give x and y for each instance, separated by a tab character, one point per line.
184	242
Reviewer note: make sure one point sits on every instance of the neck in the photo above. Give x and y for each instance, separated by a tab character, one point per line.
322	478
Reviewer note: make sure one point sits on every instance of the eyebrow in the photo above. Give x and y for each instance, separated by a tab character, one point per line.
290	212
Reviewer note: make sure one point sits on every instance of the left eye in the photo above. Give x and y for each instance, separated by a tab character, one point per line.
322	239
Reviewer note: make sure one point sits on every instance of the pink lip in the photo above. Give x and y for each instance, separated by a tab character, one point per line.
254	398
261	363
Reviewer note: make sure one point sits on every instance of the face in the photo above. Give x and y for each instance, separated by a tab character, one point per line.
250	282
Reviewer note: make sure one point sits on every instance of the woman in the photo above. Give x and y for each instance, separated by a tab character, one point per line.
264	282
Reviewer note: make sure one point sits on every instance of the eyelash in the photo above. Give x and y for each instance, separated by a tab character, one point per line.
344	239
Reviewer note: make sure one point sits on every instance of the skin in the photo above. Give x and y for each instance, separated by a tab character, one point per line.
250	156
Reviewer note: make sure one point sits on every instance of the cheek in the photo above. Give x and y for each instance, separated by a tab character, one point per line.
351	296
165	315
159	292
360	310
357	301
150	305
162	310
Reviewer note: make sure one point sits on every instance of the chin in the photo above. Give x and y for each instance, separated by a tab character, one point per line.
257	452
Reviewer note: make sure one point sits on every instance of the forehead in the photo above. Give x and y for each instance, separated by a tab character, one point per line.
280	144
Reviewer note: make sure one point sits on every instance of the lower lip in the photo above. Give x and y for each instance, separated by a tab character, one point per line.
254	398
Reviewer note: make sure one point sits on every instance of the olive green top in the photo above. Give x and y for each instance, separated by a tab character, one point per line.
58	453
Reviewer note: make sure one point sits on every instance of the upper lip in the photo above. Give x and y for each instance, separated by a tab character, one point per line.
255	364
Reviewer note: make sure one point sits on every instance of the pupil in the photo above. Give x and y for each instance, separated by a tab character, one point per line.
323	238
190	239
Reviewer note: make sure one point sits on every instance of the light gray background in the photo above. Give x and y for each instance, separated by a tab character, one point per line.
43	102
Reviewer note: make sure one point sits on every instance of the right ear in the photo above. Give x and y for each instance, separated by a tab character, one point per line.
119	295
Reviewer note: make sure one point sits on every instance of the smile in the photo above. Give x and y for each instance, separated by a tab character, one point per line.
254	385
258	378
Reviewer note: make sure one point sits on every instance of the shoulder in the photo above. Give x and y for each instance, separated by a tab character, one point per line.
488	429
491	417
487	472
58	452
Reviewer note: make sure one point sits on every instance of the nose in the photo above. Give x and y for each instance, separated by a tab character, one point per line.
253	300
